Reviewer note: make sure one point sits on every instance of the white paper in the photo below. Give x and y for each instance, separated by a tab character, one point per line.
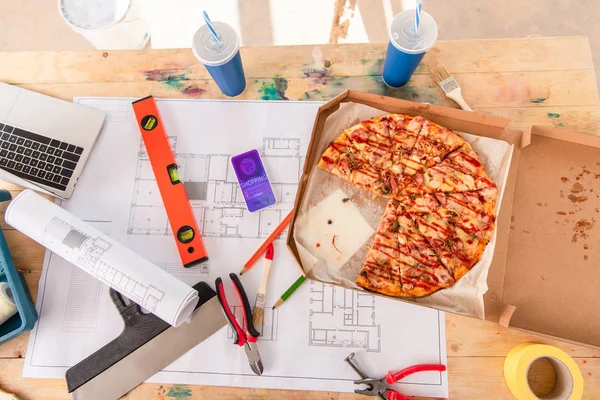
103	258
333	229
464	297
304	341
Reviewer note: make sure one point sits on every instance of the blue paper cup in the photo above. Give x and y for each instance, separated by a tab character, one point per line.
222	61
405	48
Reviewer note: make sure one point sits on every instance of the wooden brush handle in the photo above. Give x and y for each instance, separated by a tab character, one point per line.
456	95
265	277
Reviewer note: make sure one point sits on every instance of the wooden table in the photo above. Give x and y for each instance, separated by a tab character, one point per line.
545	81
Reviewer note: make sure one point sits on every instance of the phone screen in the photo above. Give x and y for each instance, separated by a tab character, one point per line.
253	180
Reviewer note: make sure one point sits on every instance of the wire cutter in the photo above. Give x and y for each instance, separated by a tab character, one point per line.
247	337
379	387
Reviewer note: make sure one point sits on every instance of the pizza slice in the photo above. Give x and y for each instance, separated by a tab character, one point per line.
371	138
423	272
473	212
401	262
344	162
362	154
458	250
404	136
433	145
461	171
457	225
381	271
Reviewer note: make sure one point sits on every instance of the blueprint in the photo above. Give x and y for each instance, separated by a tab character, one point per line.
101	257
305	340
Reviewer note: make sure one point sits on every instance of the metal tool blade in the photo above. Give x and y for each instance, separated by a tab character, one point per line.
158	353
254	358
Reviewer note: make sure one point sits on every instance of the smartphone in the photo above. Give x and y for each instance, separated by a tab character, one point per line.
253	180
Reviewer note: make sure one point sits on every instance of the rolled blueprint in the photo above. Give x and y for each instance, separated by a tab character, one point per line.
102	257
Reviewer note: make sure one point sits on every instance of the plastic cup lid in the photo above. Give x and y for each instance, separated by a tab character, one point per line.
402	35
93	14
211	53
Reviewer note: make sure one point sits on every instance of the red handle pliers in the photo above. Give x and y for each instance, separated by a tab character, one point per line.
242	337
379	386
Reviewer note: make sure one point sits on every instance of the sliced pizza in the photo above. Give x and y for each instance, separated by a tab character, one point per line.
458	250
442	212
381	271
401	262
371	138
457	225
461	171
432	146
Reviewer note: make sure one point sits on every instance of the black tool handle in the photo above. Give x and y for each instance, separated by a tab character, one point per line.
239	288
239	336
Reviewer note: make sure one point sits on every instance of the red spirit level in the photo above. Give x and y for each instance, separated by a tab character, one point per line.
183	224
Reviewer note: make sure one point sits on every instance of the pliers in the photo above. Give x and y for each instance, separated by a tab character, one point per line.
379	386
247	337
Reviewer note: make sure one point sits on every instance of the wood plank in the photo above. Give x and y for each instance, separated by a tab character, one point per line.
26	253
525	54
470	378
567	88
470	337
585	119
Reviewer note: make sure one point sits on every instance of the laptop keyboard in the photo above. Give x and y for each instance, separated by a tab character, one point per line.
37	158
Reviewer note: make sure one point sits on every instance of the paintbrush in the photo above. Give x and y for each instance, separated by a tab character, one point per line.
449	86
258	314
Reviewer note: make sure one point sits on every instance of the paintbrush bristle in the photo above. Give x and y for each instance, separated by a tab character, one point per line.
444	79
258	317
440	73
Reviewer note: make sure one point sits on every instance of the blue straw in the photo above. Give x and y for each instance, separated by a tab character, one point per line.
211	29
418	16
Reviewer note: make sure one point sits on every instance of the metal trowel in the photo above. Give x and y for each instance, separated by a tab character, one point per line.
146	345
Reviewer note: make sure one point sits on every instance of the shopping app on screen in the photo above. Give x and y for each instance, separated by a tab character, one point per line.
253	180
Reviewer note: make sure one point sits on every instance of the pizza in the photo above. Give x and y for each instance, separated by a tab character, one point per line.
441	210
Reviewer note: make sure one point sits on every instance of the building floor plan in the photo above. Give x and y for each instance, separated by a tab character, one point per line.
215	194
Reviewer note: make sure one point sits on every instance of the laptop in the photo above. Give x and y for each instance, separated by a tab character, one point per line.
44	142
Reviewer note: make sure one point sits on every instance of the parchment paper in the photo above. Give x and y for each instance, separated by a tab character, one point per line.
464	297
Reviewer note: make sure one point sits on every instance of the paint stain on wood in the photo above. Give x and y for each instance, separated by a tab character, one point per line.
538	100
273	89
179	392
173	77
553	115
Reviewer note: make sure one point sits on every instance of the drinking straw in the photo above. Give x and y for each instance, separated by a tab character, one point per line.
211	29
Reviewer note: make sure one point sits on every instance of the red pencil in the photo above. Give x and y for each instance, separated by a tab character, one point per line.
269	240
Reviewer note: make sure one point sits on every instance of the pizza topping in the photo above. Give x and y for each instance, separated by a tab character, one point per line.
335	247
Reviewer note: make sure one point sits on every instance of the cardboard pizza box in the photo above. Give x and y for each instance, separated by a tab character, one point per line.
543	277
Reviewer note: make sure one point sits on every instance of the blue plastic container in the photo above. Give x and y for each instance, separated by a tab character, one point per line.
25	319
407	48
222	60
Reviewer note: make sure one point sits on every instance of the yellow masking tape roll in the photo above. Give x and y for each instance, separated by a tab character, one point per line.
569	381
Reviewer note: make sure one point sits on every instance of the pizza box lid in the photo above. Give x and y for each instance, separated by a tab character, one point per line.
551	277
523	254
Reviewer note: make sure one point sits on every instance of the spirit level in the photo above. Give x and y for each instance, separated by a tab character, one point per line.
183	224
